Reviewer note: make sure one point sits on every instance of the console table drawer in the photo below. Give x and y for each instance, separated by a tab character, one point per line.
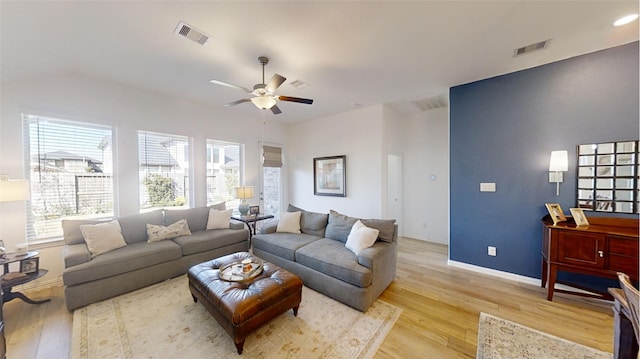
623	246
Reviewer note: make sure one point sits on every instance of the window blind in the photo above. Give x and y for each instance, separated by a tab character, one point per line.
70	169
163	161
224	170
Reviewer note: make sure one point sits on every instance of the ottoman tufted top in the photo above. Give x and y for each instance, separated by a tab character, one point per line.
241	301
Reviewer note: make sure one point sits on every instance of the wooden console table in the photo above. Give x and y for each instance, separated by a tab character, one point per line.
606	246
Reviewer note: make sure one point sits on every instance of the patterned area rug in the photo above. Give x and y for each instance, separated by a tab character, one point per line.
162	321
501	338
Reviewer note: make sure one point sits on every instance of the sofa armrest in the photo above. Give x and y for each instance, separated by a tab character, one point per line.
74	254
236	225
381	258
269	226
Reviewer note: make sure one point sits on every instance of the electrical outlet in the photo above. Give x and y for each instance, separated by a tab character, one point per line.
491	251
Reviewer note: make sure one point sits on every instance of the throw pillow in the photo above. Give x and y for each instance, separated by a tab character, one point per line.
311	222
219	219
103	237
289	222
339	226
387	228
222	206
361	237
158	233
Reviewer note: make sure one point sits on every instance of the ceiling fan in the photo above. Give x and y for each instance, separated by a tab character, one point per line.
263	94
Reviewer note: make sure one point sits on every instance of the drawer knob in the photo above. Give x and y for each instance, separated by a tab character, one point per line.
601	254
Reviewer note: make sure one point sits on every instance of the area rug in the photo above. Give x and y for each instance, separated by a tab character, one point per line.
162	321
501	338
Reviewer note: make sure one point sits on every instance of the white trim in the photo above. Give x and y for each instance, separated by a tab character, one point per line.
494	272
509	276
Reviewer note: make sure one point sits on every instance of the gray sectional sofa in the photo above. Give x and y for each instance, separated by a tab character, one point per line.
138	264
319	256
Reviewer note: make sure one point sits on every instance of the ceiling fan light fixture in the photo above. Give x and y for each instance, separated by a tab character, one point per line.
263	102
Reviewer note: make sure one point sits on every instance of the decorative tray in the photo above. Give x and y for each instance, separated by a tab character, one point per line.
241	271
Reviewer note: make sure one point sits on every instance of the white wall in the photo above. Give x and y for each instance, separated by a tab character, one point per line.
356	134
426	154
86	99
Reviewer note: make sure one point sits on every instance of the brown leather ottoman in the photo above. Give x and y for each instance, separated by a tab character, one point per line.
242	307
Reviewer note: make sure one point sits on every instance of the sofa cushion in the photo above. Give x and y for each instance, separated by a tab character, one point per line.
134	227
334	259
103	237
283	245
289	222
158	233
361	237
386	228
203	241
71	229
122	260
339	226
311	222
196	217
219	219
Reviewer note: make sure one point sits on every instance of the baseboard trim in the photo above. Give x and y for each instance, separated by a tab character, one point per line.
494	272
508	275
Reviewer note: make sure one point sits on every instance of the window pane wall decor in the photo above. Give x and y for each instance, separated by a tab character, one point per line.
608	177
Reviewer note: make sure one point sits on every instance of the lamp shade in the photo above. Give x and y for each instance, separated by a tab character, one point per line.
14	190
244	192
263	102
559	161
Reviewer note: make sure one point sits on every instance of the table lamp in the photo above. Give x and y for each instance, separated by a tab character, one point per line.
11	191
242	193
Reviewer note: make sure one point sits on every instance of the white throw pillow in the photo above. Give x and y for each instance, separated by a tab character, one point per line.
361	237
219	219
103	237
157	233
289	222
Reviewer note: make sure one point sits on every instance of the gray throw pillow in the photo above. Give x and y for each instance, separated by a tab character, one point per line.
386	227
339	226
311	222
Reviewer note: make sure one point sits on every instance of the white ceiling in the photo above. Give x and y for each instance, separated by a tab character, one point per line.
350	52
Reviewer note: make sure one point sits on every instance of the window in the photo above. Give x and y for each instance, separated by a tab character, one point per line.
163	162
271	180
70	170
224	170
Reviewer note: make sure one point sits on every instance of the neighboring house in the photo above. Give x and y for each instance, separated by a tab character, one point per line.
69	162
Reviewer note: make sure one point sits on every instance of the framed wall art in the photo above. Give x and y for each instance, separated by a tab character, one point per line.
329	176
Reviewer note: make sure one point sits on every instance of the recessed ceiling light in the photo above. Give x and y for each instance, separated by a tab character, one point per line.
625	20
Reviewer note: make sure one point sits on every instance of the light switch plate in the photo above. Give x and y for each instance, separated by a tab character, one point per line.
487	187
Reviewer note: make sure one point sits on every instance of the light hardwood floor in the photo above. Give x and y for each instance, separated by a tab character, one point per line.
441	306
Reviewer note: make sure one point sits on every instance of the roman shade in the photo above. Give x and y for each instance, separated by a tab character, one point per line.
272	156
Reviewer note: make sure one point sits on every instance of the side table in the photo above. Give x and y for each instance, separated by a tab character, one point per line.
250	220
29	271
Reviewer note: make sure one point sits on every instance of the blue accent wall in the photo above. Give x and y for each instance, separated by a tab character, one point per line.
503	130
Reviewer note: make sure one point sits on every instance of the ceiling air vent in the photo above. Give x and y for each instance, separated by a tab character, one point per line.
191	33
533	47
431	103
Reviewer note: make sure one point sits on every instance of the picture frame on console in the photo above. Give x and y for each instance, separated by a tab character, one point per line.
579	217
254	210
329	176
556	213
31	265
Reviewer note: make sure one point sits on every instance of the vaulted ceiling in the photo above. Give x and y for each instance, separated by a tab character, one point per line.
350	53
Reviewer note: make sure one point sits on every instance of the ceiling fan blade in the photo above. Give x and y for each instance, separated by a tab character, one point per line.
275	82
296	99
275	109
237	102
218	82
